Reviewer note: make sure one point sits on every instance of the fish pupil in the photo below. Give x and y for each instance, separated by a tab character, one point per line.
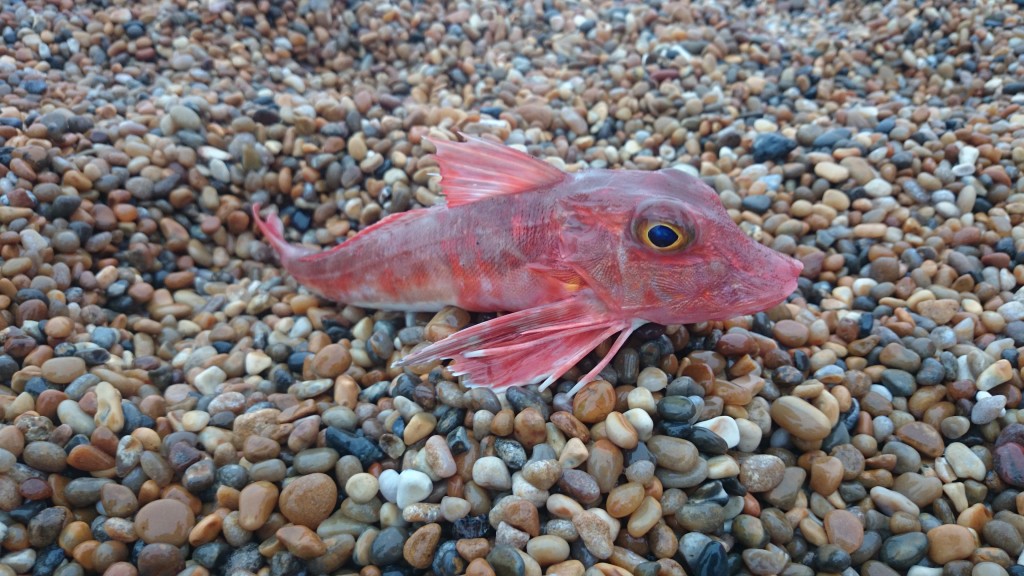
662	236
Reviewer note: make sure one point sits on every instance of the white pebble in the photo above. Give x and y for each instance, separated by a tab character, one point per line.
388	482
750	435
208	380
413	487
652	378
491	472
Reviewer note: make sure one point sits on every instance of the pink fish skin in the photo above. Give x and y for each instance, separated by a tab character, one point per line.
574	259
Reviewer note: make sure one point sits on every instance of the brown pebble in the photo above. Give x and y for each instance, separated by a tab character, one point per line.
164	521
419	548
301	542
255	504
308	500
160	560
594	402
950	542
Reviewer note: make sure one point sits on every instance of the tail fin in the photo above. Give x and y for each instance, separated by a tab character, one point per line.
273	231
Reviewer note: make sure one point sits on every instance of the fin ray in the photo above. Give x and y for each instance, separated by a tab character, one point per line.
476	169
536	344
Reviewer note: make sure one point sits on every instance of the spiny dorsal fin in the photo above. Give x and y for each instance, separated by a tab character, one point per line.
477	169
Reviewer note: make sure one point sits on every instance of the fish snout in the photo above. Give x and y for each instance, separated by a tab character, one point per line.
761	279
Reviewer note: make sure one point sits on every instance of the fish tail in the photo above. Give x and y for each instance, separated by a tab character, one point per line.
273	231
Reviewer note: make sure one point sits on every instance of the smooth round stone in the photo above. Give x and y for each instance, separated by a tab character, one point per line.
164	521
595	533
547	549
388	481
832	172
889	501
677	409
950	542
673	454
749	531
45	457
1003	535
362	487
761	472
987	409
1009	464
965	463
387	546
844	530
315	460
491	472
764	562
800	418
255	504
301	542
785	494
703	517
922	437
419	548
312	388
580	486
652	378
594	402
160	560
832	559
904	550
954	427
624	499
63	370
542	474
439	457
790	333
988	569
414	487
308	500
920	490
506	561
331	361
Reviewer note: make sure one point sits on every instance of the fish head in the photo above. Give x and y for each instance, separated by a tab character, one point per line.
661	247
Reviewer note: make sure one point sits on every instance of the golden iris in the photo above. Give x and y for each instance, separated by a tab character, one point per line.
663	236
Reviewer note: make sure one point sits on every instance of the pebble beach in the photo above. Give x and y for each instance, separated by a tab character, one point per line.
173	403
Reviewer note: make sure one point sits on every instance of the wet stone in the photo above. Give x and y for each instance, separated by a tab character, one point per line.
905	550
505	561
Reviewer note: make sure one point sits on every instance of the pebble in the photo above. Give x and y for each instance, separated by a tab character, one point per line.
949	542
491	472
309	499
414	486
164	521
174	402
800	418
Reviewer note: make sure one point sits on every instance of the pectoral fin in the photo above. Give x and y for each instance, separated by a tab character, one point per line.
534	345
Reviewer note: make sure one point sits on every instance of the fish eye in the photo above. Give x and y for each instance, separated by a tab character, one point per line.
663	236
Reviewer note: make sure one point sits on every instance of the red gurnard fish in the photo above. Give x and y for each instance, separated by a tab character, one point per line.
574	259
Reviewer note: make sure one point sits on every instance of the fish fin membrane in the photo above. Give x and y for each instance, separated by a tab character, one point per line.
529	346
476	169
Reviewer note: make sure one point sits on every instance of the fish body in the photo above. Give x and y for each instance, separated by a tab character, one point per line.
573	258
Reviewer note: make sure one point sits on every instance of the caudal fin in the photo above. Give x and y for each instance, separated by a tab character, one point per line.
273	232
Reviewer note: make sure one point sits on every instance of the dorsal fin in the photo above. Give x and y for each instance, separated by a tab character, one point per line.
476	169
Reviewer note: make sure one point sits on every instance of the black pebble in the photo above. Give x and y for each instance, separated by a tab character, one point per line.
346	442
772	147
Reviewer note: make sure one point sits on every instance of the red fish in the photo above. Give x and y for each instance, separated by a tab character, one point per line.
575	259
